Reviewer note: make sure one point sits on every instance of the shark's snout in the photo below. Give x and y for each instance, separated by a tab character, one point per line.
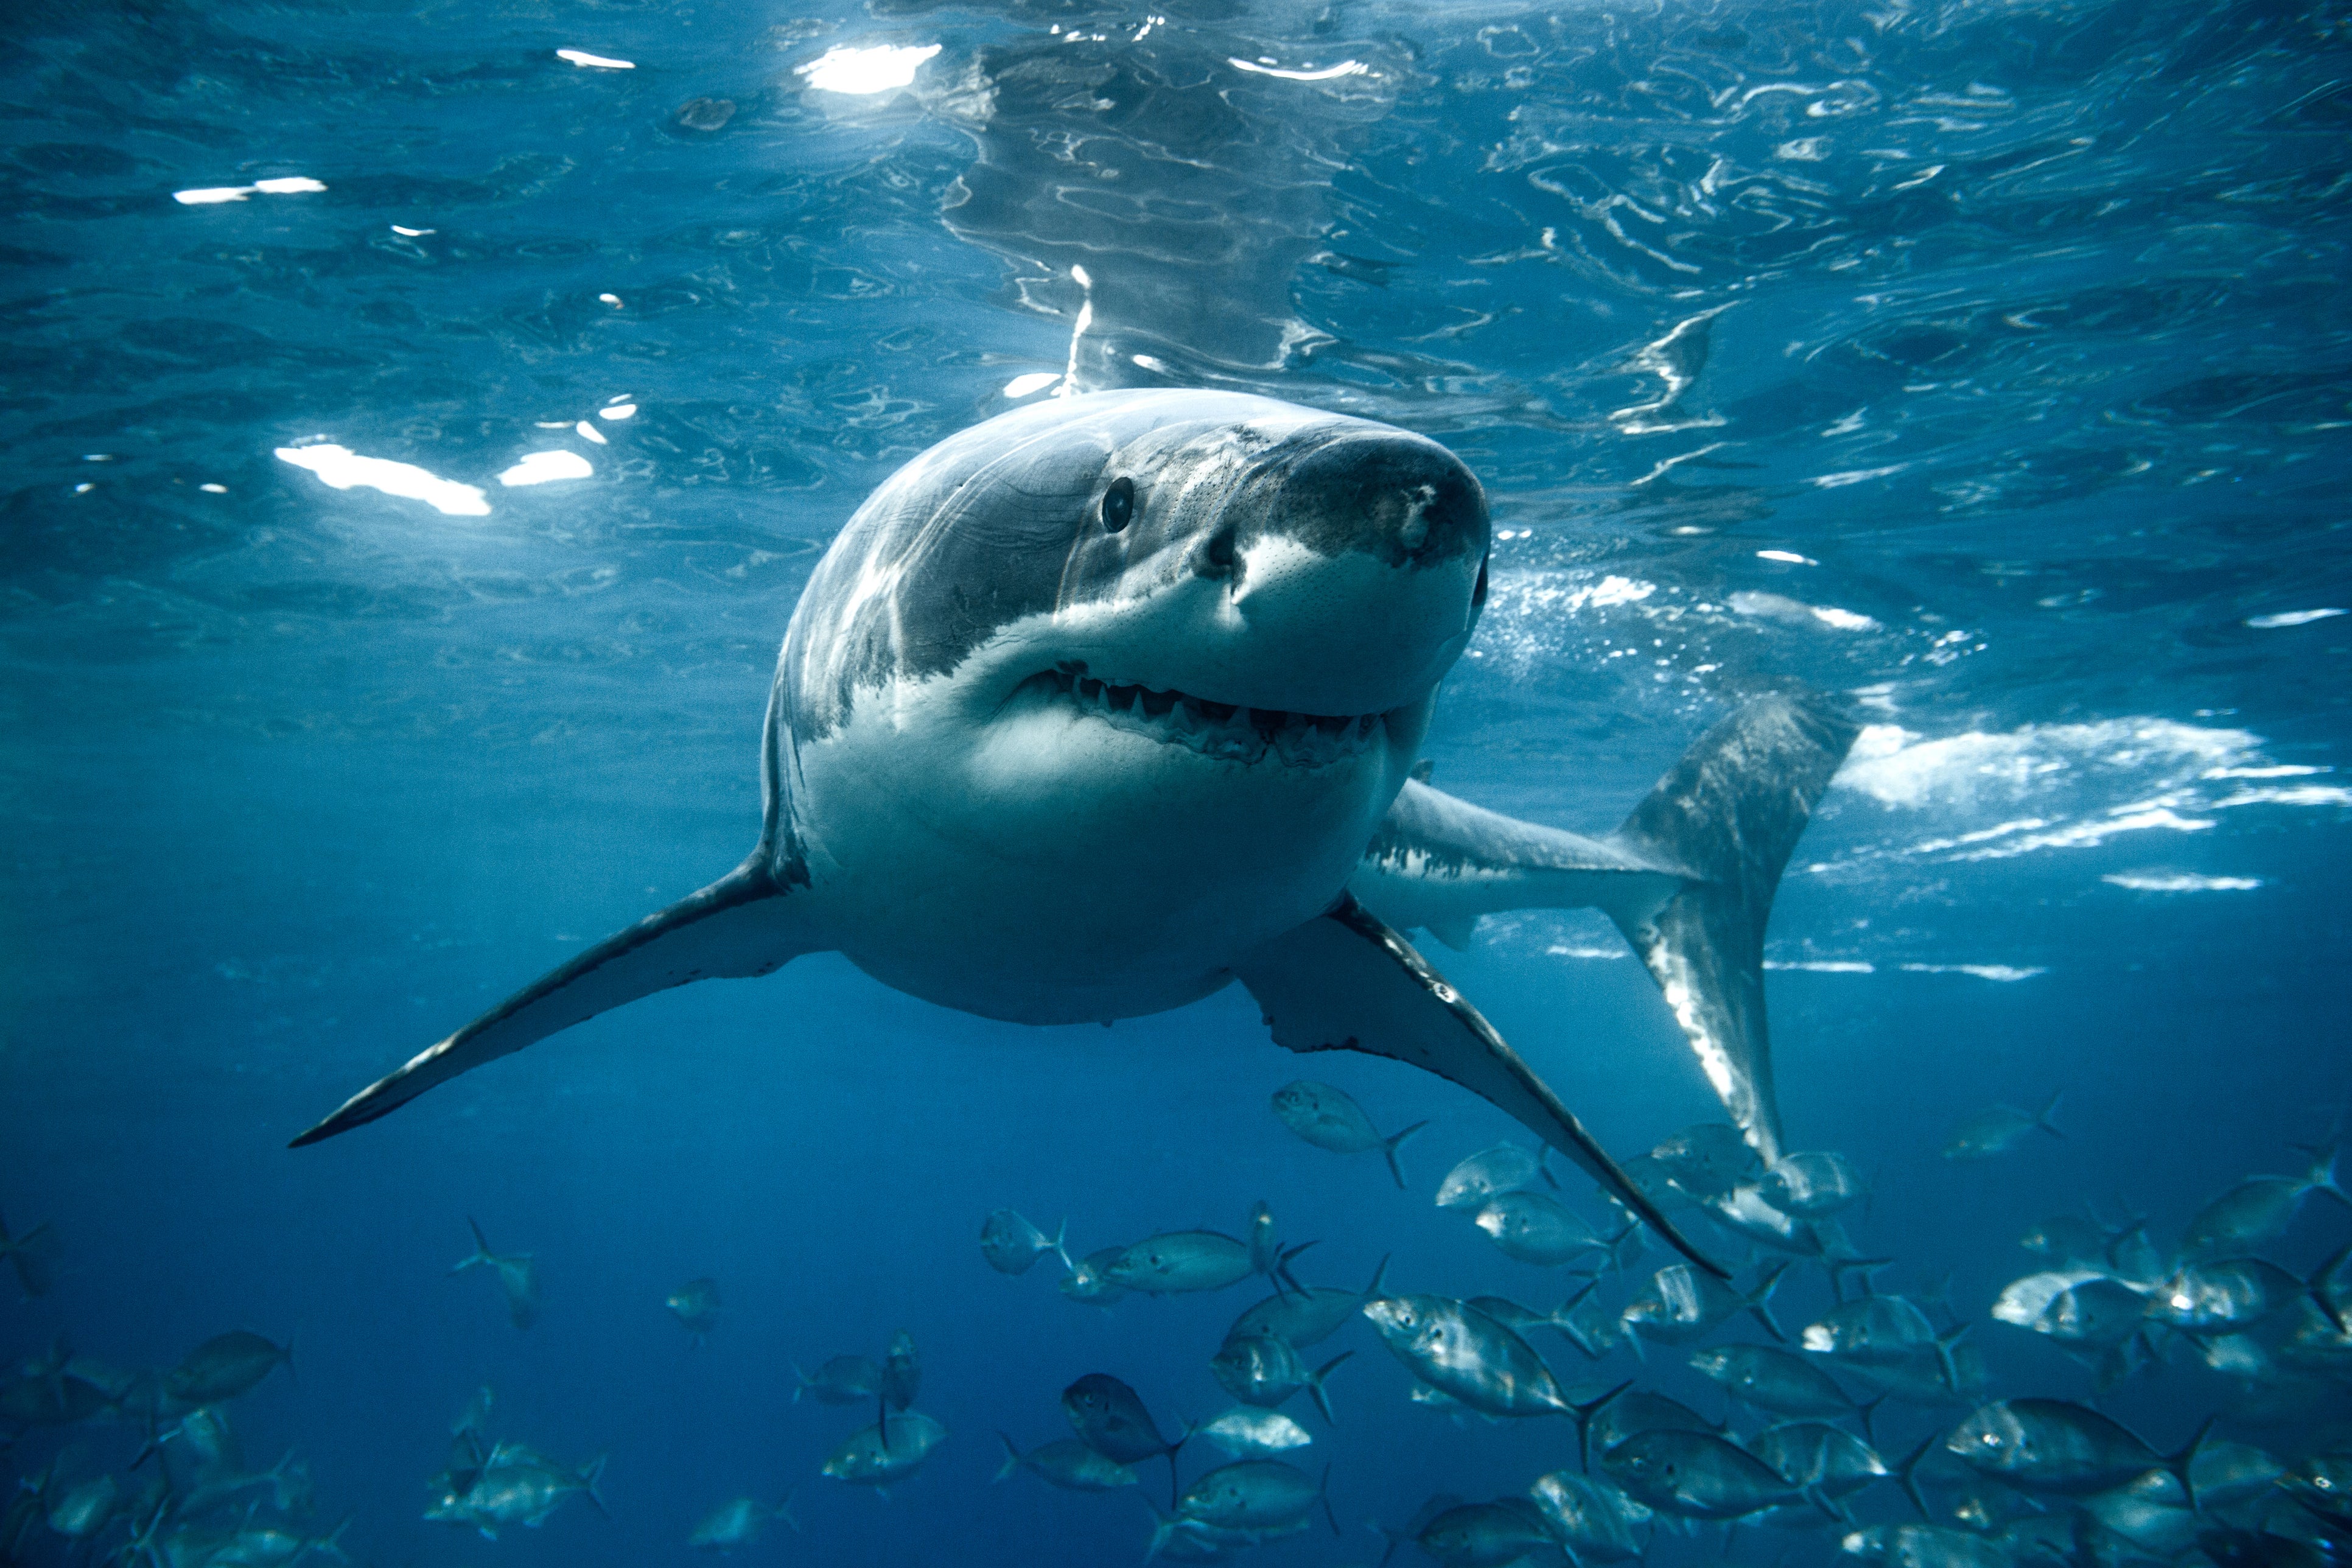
1357	568
1405	501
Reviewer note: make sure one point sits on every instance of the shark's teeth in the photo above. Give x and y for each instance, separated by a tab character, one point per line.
1220	730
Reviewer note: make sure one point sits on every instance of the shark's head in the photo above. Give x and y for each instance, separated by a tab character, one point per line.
1168	622
1130	551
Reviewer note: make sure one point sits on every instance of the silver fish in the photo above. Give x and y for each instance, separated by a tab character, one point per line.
1818	1458
1777	1382
1681	1303
224	1367
1187	1261
2073	1309
1330	1119
2257	1210
1593	1518
1696	1475
1246	1432
81	1511
1111	1419
1252	1494
843	1380
1306	1317
516	1274
864	1459
1998	1129
517	1485
1066	1463
1533	1228
738	1523
2070	1243
1490	1172
1265	1370
2236	1293
1463	1352
1926	1546
33	1256
1706	1161
1087	1281
1011	1245
1490	1535
1635	1410
1812	1185
902	1373
2055	1446
695	1305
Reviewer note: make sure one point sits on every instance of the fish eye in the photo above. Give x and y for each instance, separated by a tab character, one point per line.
1117	504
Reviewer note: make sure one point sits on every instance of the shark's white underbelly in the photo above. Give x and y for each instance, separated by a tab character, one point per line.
1048	866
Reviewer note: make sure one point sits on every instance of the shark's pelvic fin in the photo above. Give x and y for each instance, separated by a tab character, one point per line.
746	923
1689	878
1729	812
1345	980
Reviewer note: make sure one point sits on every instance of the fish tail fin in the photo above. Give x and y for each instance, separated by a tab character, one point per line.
784	1510
332	1543
590	1473
1725	817
1584	1414
1163	1528
2183	1464
480	1256
1867	1414
2322	1296
2042	1118
1827	1504
1280	1273
1314	1386
1323	1491
1395	1140
1011	1459
1946	1367
1907	1475
2322	1178
1174	1491
1865	1267
1379	1276
800	1382
1062	1245
1760	1300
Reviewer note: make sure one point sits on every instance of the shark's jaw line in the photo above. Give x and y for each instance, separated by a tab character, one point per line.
1224	731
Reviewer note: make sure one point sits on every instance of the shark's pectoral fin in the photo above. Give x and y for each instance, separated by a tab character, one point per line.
1345	980
744	924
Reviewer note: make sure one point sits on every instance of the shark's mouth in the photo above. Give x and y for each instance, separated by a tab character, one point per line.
1220	730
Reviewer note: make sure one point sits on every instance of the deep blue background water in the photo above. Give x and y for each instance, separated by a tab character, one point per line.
2030	337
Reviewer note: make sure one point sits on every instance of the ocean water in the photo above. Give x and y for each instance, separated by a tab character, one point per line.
1987	365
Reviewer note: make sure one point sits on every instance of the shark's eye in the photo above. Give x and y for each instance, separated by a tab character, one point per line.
1117	505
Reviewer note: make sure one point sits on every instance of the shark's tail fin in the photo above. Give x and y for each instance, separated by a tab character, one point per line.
1726	817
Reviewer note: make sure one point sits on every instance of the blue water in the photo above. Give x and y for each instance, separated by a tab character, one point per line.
2015	334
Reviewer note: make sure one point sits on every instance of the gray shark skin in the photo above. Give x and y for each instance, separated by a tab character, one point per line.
1109	701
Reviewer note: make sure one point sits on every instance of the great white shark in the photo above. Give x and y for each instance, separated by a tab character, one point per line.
1112	701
